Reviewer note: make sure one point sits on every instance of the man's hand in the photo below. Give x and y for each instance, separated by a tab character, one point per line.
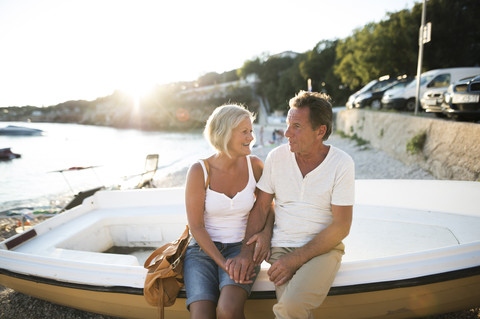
241	268
283	269
262	244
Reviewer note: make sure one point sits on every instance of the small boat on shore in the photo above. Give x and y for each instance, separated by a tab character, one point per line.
19	130
6	154
413	250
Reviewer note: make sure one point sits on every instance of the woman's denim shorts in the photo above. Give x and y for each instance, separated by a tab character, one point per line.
203	277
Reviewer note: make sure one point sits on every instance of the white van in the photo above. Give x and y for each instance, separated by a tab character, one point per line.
440	79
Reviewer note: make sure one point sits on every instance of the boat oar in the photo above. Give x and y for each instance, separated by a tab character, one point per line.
74	168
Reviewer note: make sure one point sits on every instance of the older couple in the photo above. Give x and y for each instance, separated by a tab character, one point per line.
235	227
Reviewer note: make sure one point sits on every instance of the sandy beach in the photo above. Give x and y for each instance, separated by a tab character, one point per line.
369	164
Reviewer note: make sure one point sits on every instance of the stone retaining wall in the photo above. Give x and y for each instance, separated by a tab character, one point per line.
447	149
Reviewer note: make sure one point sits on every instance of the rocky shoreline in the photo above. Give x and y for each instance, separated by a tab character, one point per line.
369	164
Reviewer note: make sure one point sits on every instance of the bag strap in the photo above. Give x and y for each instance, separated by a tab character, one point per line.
161	307
158	251
207	167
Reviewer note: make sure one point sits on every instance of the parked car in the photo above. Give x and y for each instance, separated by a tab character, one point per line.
351	98
373	97
438	80
462	100
433	99
372	85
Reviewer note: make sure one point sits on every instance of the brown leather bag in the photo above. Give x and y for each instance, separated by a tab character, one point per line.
165	273
165	269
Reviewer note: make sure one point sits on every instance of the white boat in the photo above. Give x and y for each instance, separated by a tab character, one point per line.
19	130
414	250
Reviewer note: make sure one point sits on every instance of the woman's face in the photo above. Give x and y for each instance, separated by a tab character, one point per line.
242	137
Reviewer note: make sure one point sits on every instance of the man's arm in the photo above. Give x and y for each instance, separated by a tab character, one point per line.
284	268
263	239
242	265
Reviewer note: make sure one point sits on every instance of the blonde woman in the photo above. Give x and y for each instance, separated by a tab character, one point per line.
217	215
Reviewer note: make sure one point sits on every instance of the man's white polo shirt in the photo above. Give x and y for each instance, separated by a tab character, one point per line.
303	205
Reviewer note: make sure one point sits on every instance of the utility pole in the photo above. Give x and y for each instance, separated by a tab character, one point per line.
423	37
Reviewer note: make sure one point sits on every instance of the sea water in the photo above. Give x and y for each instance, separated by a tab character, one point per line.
117	155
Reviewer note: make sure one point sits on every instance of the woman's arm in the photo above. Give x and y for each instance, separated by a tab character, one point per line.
241	266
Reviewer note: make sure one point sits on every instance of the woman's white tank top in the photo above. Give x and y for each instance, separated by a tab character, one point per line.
226	218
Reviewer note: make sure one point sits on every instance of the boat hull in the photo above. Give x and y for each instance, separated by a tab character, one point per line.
14	130
405	302
7	154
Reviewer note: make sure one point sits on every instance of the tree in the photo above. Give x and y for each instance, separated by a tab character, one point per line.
357	57
391	46
455	34
347	62
213	78
318	66
269	71
250	67
396	43
290	83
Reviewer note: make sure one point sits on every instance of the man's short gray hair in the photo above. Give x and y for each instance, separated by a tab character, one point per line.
320	106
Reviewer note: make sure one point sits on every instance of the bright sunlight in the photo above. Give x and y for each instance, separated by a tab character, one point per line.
57	51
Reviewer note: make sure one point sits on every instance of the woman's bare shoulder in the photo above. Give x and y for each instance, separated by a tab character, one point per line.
257	166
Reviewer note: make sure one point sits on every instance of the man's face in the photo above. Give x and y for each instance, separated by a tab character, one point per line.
302	139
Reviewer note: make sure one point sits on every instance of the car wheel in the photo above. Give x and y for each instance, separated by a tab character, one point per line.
457	117
410	105
376	105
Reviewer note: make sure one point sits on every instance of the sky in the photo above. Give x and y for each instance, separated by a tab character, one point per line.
52	51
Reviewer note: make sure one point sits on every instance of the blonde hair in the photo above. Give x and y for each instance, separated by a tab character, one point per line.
221	122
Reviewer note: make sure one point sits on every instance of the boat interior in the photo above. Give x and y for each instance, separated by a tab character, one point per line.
110	229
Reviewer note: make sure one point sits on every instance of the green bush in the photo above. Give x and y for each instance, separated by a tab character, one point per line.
416	143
